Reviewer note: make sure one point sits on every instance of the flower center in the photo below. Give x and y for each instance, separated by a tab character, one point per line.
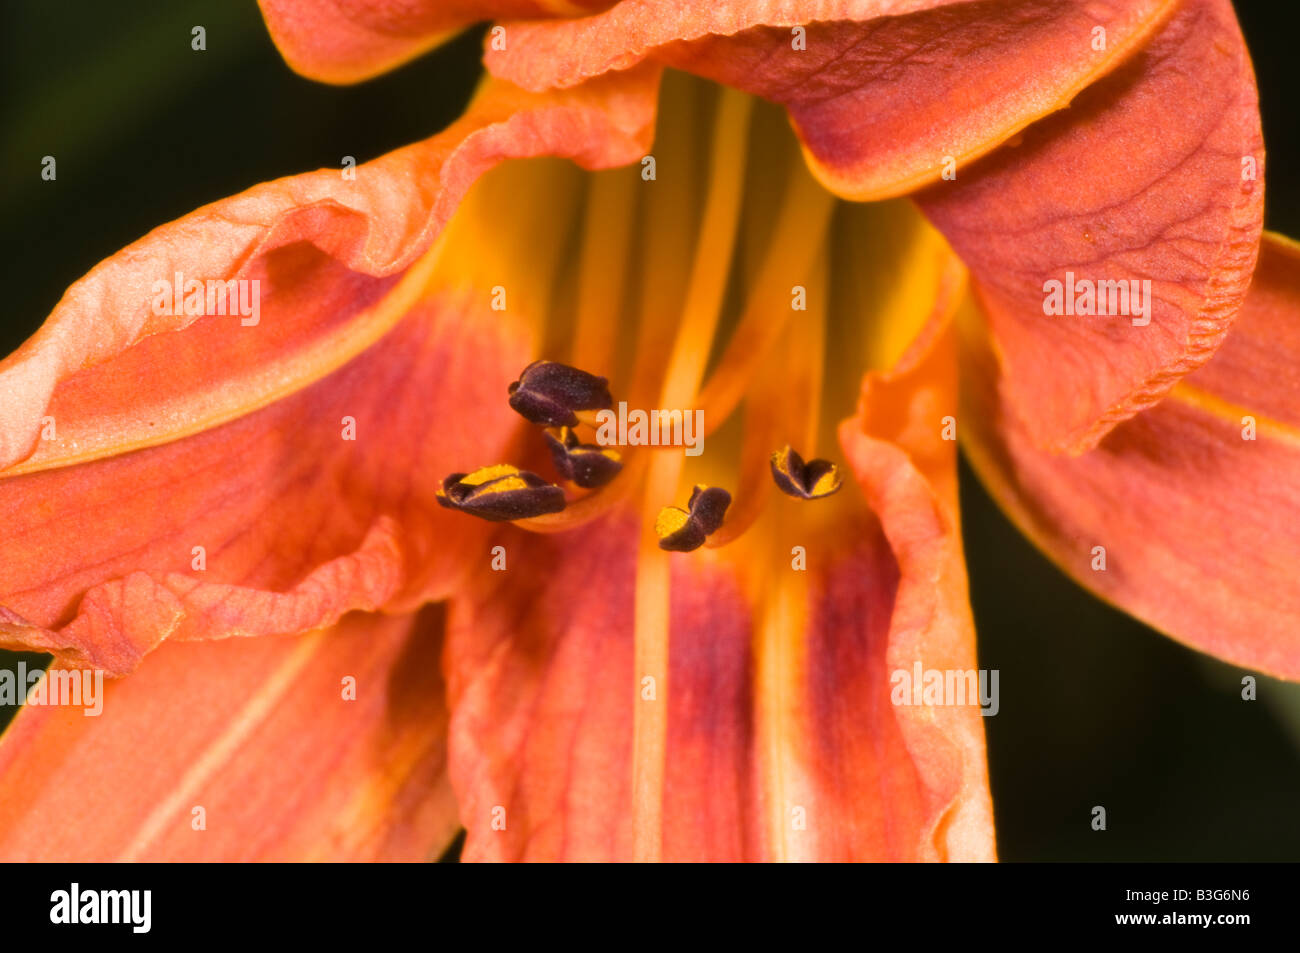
701	281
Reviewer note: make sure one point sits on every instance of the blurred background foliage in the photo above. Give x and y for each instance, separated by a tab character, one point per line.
1095	707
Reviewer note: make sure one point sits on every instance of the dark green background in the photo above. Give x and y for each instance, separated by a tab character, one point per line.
1096	708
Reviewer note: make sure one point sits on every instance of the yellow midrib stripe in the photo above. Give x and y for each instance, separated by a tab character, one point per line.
1231	413
269	384
221	749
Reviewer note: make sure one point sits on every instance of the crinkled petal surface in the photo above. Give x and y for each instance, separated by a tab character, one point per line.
1195	501
316	243
271	524
345	41
1153	174
262	736
881	92
200	478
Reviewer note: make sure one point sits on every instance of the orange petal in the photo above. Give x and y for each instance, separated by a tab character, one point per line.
262	736
881	92
1144	178
1200	525
783	742
345	41
905	459
298	522
329	254
782	739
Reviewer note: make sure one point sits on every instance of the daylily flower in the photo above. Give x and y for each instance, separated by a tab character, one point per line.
313	658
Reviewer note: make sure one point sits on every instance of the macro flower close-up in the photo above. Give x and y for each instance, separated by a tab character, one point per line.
589	477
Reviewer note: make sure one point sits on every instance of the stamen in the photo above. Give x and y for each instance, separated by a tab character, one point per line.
780	678
593	506
548	393
713	255
776	414
708	506
585	464
666	215
500	493
798	243
753	489
681	531
606	251
806	481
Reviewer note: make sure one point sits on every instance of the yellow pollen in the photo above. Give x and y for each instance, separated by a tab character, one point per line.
487	474
670	520
506	484
826	483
